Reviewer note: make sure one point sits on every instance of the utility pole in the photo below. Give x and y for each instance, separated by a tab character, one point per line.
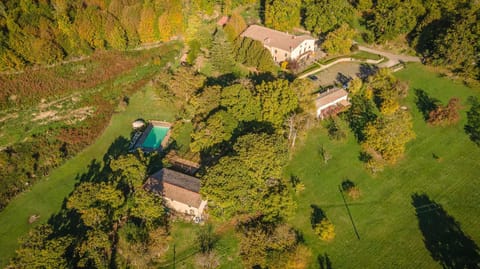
174	256
349	214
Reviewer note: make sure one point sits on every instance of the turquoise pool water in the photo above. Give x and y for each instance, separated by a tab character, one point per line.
155	137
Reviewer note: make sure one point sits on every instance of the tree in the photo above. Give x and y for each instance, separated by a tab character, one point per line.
445	115
335	130
325	230
237	183
88	24
218	128
206	238
458	47
170	22
360	113
241	102
206	101
221	53
262	242
277	100
322	16
282	15
390	18
300	258
355	86
37	250
252	53
147	207
387	91
95	250
339	41
129	170
115	34
387	135
473	121
95	202
146	26
235	26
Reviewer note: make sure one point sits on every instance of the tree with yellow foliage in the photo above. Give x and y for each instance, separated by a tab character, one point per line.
325	230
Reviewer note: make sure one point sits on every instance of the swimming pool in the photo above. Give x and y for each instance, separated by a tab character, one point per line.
155	137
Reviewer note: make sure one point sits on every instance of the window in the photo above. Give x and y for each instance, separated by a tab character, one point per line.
275	51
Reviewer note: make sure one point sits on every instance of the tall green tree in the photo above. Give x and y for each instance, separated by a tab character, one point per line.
339	41
322	16
241	102
250	181
38	250
473	121
129	170
277	100
390	18
388	135
217	129
282	15
221	53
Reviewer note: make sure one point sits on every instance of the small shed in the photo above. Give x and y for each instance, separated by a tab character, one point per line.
331	101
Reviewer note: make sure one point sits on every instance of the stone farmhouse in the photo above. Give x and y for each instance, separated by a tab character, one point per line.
282	46
179	191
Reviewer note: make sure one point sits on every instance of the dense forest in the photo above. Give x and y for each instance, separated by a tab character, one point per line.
445	33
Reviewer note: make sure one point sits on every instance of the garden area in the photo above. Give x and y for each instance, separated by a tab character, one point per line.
420	213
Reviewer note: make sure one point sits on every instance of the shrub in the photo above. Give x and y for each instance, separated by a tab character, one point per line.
334	130
445	115
351	189
325	230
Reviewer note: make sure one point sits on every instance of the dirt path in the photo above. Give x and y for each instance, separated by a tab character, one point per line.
393	59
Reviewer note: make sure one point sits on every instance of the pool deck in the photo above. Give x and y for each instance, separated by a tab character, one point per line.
145	133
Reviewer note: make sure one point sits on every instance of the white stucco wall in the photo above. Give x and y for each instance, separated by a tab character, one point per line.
305	46
320	109
280	55
186	209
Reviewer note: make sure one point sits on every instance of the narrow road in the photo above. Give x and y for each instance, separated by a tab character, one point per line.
393	59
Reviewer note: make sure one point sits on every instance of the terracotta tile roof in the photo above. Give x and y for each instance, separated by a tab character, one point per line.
329	97
175	186
274	38
222	21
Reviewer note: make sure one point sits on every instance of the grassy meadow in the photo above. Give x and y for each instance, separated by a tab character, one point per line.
47	195
441	163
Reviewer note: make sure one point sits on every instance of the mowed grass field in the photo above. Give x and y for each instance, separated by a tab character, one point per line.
46	196
441	163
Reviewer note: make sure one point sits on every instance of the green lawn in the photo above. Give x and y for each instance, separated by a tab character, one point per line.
183	237
46	196
384	216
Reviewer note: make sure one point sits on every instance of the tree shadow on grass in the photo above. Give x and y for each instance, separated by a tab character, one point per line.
425	103
443	237
324	261
317	215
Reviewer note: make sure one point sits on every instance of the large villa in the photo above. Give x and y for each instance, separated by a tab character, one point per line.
283	46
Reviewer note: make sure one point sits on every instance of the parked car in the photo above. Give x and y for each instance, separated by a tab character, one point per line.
313	77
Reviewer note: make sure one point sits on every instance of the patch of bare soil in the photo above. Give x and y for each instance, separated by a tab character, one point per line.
9	117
